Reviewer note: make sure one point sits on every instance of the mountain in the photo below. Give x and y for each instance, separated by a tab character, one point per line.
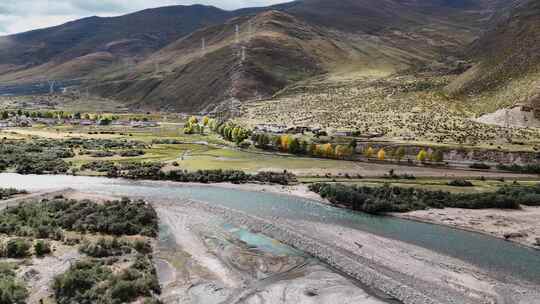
506	58
295	42
76	48
163	66
279	49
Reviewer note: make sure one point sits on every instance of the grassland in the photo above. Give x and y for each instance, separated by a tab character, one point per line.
195	152
167	144
412	108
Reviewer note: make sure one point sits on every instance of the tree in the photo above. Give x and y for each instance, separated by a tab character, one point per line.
369	152
5	115
188	129
328	150
437	156
294	145
422	156
400	154
206	120
312	149
235	134
105	121
343	151
381	155
212	124
193	120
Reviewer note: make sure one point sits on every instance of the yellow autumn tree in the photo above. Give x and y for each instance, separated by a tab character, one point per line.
206	120
284	142
328	150
422	156
381	155
369	152
193	120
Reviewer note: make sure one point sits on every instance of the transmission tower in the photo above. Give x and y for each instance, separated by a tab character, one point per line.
243	56
250	29
51	86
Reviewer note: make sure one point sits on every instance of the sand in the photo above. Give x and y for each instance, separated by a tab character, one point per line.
221	269
406	272
520	226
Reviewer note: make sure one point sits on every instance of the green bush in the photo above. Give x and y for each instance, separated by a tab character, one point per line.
17	248
47	218
11	291
525	169
105	248
42	248
92	281
7	193
480	166
460	183
396	199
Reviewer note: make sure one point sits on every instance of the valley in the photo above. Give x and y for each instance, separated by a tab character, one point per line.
314	151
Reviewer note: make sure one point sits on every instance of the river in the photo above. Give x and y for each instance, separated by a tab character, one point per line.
503	259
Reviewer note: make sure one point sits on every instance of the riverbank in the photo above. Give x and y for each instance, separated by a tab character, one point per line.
204	261
363	247
519	226
405	272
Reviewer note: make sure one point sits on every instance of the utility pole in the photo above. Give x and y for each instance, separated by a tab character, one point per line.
507	125
237	33
203	46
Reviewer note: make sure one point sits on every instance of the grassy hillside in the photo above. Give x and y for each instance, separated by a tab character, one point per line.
76	48
300	40
506	59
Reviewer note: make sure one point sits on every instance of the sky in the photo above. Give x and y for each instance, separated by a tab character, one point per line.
23	15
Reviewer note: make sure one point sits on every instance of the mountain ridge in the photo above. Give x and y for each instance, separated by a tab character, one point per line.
164	67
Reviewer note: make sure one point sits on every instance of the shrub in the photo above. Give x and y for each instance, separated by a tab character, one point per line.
105	248
395	199
526	169
42	248
92	281
17	248
7	193
11	291
46	219
460	183
480	166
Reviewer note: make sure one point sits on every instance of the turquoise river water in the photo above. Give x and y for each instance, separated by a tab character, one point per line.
502	258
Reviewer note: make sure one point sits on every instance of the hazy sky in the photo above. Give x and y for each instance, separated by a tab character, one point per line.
23	15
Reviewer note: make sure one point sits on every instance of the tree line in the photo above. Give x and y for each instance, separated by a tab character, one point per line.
386	199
